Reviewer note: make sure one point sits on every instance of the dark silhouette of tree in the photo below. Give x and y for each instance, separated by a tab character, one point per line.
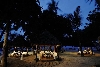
94	25
47	38
77	23
92	30
20	13
99	39
19	41
97	2
75	20
53	6
58	25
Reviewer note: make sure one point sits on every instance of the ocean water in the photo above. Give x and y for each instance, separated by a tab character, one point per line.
72	48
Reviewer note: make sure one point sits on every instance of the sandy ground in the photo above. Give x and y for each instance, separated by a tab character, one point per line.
69	59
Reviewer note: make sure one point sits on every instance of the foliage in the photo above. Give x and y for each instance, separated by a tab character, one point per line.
28	15
75	19
53	6
94	26
97	2
19	13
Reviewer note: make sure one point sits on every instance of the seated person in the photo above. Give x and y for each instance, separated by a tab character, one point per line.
85	51
88	50
54	55
43	54
79	52
16	51
91	52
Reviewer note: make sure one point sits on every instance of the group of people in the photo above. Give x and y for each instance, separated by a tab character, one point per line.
86	51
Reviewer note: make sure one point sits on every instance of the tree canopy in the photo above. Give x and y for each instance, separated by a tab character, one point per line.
33	21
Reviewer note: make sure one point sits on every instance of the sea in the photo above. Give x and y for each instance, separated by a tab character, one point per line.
66	48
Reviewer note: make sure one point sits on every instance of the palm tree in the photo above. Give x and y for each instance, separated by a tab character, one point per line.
75	20
53	6
97	2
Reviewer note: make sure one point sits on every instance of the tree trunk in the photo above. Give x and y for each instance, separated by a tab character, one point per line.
4	58
81	50
27	51
5	48
33	50
36	53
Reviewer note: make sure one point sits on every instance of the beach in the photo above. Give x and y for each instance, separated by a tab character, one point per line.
69	59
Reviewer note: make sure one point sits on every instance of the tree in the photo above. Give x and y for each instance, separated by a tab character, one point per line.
99	39
93	28
75	20
17	43
58	25
53	6
18	12
77	23
97	2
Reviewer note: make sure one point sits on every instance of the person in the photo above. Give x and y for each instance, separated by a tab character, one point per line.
88	50
16	51
85	51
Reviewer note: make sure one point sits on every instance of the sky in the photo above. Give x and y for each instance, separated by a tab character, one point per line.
66	7
69	6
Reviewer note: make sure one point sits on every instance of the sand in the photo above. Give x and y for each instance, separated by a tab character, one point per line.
69	59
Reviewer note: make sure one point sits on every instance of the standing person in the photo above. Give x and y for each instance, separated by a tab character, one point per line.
16	50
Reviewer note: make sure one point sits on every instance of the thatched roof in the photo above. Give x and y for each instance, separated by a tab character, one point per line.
46	38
